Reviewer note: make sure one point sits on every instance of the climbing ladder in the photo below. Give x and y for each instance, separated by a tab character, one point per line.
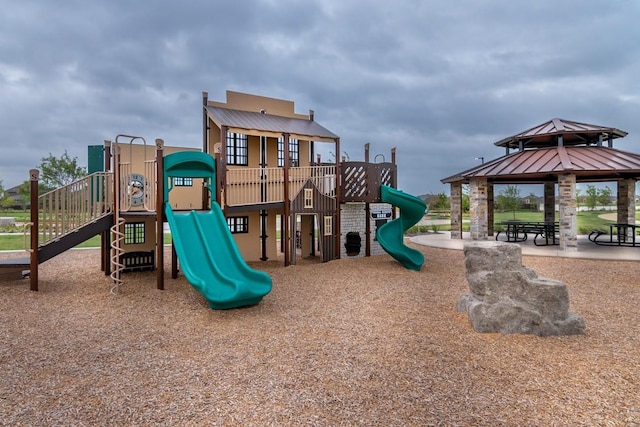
124	195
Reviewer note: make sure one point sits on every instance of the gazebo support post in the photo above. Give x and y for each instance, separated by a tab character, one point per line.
455	203
490	206
549	201
626	203
568	212
478	211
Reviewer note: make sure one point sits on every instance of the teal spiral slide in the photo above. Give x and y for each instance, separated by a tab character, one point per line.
391	235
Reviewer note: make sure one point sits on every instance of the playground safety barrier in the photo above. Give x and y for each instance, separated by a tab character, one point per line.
68	208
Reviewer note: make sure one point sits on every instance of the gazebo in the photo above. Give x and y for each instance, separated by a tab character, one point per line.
558	152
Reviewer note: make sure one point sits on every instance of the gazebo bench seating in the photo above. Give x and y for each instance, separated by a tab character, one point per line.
544	232
595	233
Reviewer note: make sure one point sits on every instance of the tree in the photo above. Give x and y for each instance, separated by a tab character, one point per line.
24	191
58	172
509	199
5	199
591	198
442	204
532	201
466	199
604	196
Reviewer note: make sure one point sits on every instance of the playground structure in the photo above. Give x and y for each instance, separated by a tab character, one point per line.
136	207
271	179
218	211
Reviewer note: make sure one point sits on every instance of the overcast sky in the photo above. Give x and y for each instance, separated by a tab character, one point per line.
440	80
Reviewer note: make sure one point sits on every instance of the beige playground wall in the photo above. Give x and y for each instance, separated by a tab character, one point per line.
181	198
255	103
249	244
149	235
248	102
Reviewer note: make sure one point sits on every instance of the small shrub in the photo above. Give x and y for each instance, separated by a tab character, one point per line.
585	230
11	229
418	229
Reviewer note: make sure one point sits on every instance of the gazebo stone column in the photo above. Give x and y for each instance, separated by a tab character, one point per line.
568	211
627	203
478	208
549	201
455	202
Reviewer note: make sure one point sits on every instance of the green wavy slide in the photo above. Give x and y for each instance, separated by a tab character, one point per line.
208	255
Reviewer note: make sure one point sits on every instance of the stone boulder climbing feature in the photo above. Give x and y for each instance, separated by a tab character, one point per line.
509	298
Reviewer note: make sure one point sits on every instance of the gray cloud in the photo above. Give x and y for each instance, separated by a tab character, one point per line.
439	80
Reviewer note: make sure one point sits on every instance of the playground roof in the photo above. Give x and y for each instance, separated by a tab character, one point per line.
256	123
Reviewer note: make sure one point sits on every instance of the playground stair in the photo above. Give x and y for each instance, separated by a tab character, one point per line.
67	217
61	244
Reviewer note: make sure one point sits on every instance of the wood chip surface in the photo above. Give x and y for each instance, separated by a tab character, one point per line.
353	342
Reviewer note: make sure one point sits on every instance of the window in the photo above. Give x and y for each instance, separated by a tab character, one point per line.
308	198
237	149
294	152
133	233
328	225
238	224
182	182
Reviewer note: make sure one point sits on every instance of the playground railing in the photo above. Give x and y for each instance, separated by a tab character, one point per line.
66	209
150	172
323	177
252	186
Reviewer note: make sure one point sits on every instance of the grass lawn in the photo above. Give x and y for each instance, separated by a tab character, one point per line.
20	216
15	241
587	221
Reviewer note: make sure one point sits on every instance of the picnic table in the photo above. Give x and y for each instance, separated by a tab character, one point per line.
619	235
518	231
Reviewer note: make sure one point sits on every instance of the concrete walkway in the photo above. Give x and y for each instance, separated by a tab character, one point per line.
586	249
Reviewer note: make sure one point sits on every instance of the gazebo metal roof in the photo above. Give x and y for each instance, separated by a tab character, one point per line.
555	147
571	133
589	164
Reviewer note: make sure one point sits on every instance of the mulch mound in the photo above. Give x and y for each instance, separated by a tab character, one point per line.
349	342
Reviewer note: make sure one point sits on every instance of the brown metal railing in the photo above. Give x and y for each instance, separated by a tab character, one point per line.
66	209
251	186
361	181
